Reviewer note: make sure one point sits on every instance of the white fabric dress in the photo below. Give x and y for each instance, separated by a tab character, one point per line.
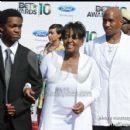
64	89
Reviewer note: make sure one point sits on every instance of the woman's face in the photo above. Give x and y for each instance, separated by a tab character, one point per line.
72	43
126	27
53	36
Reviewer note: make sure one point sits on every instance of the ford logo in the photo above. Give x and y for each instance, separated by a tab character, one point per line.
40	33
66	8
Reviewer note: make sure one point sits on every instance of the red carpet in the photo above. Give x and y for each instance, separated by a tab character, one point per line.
35	126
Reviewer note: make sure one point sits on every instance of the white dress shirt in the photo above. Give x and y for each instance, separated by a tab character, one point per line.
13	49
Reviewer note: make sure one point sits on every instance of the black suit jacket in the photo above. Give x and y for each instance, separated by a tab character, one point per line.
25	69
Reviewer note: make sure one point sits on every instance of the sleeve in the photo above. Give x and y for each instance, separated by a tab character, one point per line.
44	66
35	79
95	88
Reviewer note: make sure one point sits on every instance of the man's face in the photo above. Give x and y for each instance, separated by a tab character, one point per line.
11	31
111	22
126	27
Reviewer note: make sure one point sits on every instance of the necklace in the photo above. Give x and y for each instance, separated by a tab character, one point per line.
111	47
110	53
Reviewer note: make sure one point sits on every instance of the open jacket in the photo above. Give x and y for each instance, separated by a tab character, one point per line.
25	69
114	101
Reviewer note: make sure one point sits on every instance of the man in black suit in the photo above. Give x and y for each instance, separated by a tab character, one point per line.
15	111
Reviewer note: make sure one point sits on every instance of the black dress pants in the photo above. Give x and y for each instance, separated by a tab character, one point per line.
8	124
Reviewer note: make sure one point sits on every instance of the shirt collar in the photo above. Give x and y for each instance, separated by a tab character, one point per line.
13	48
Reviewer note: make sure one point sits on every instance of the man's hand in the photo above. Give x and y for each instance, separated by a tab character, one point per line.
29	94
78	108
10	109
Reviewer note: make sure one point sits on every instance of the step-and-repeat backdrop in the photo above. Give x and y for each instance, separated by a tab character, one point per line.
38	16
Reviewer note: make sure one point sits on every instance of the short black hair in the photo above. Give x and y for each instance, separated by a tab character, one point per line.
58	28
125	20
9	13
79	30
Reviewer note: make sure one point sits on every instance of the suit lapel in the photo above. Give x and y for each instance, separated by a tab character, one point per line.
121	53
17	60
1	64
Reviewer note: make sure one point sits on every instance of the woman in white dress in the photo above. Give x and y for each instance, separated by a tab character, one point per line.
73	84
54	44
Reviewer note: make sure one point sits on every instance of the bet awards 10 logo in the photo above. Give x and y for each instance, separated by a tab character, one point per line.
35	9
99	10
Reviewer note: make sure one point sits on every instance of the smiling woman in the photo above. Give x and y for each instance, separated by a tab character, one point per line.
68	73
73	36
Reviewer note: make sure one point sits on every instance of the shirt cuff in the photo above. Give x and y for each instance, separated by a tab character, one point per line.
27	85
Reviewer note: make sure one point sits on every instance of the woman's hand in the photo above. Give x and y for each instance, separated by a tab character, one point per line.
29	94
78	108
